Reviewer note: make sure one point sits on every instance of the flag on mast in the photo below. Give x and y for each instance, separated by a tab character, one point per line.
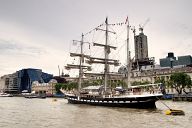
126	21
106	20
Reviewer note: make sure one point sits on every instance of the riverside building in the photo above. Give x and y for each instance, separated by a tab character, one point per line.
22	80
171	60
44	88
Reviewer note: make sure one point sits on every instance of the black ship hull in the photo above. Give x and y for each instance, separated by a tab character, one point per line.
126	102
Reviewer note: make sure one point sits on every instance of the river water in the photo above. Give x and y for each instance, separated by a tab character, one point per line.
19	112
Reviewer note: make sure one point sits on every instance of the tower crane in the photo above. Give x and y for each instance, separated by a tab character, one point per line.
59	70
141	27
133	29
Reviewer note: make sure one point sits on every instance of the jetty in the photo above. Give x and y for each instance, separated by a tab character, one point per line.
183	97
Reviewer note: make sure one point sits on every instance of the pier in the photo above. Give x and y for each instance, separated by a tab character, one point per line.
183	97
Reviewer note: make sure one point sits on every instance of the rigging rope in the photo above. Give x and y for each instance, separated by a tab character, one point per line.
112	41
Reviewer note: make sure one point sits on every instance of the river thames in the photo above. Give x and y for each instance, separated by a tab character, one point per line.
19	112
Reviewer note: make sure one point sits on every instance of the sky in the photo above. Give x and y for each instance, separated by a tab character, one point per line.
39	33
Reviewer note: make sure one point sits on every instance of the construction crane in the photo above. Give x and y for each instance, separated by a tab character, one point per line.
59	70
141	27
133	29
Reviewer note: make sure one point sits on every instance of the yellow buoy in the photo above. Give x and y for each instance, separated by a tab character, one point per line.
174	112
168	112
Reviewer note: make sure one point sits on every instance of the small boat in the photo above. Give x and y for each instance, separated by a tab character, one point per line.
174	112
5	95
35	96
31	96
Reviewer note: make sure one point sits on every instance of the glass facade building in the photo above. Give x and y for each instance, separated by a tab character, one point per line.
28	76
185	60
171	61
168	62
23	79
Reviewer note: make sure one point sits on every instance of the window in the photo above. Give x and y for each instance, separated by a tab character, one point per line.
7	81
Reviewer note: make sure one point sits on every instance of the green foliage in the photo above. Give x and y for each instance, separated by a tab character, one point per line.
58	86
66	86
122	83
95	83
139	83
92	83
180	81
85	84
113	85
100	82
169	84
117	83
72	85
162	80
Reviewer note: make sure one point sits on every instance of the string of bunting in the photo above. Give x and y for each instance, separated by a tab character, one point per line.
94	29
116	24
120	23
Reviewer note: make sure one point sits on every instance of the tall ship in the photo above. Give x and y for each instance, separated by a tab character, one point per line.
142	96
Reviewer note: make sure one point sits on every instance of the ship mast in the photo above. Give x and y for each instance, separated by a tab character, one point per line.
128	57
106	61
107	50
80	63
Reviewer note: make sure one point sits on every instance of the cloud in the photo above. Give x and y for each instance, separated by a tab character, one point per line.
10	47
16	55
7	45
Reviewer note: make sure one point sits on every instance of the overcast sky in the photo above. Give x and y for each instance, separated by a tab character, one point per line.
38	33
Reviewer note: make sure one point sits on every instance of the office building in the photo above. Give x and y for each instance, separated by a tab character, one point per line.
185	60
22	80
171	60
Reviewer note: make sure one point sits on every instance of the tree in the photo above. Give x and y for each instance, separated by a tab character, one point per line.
162	80
122	83
180	81
135	83
72	85
66	86
58	86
